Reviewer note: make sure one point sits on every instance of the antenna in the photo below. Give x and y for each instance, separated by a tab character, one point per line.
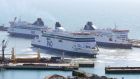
15	19
115	26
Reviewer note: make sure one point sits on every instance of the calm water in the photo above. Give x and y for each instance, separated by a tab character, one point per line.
73	14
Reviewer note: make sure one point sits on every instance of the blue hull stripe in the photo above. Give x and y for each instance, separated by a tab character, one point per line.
69	38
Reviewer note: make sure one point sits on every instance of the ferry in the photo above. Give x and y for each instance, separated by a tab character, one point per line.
26	29
3	28
113	38
72	43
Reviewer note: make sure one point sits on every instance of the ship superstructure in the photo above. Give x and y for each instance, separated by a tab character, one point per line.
108	37
72	43
23	28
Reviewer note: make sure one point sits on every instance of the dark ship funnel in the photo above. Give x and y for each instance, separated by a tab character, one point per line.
39	22
89	26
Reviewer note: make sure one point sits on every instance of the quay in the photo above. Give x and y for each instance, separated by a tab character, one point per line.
135	43
117	70
83	62
38	63
86	64
34	63
35	66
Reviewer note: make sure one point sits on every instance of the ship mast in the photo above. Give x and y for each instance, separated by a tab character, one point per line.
4	45
115	26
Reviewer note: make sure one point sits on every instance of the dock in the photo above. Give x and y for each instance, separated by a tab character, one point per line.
117	70
38	63
38	66
83	62
34	63
86	64
135	43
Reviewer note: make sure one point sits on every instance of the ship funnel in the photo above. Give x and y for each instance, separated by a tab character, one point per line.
58	27
39	22
57	24
89	23
89	26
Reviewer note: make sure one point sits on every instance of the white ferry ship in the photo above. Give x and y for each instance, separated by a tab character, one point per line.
109	37
81	44
25	29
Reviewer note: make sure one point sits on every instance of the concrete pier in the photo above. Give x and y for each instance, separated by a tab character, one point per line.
118	70
135	43
86	64
38	66
83	62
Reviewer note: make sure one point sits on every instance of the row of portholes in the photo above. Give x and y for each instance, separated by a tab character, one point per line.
79	46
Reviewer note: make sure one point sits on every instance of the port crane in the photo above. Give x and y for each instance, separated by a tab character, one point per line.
13	58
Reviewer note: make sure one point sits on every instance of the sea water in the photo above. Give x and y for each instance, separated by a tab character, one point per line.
73	15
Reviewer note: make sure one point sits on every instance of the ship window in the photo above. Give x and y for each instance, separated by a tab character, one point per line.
110	39
47	38
33	32
70	38
87	46
60	40
42	31
37	37
79	45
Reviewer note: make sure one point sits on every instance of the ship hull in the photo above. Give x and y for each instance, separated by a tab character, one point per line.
114	45
70	53
21	32
21	35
